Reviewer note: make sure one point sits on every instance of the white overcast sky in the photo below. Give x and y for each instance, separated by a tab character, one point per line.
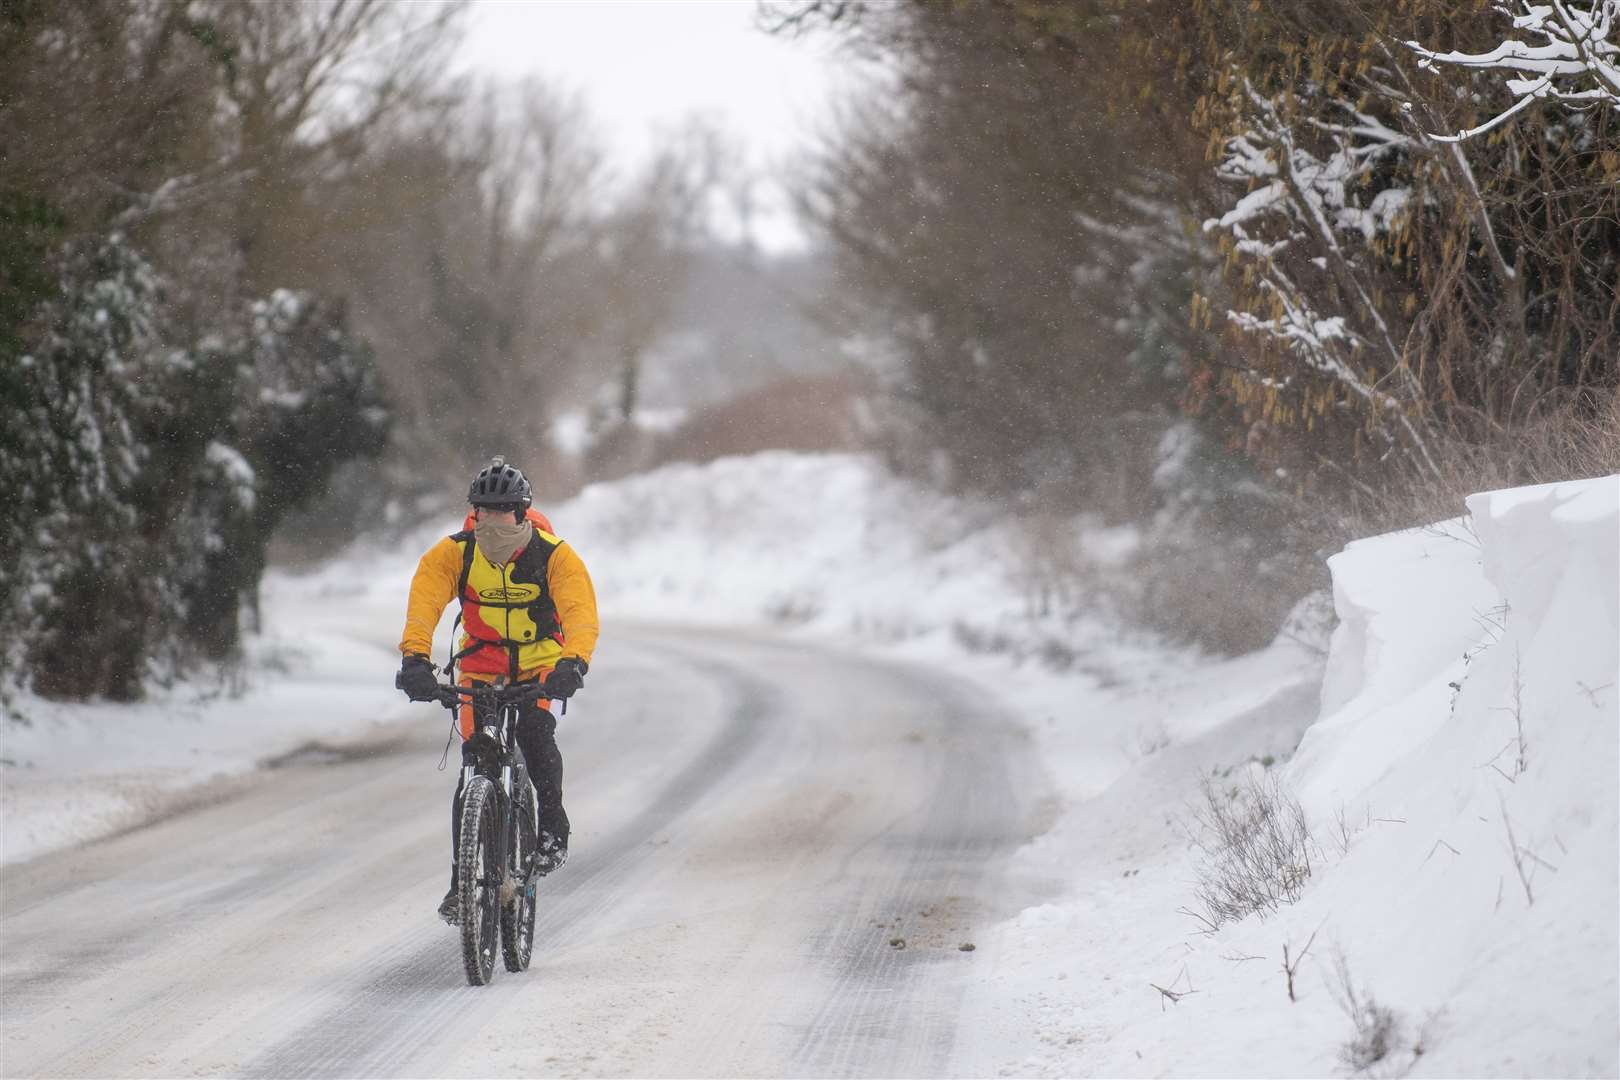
644	65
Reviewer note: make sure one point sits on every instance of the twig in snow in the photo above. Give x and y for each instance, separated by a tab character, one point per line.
1521	856
1502	774
1209	927
1491	764
1592	692
1342	838
1521	761
1521	758
1236	959
1438	844
1291	967
1539	861
1493	619
1174	995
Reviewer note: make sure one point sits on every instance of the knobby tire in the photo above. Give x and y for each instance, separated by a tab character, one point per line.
478	878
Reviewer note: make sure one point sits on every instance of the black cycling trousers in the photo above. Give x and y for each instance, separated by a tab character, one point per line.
537	741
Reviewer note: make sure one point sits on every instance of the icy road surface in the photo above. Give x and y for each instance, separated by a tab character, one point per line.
755	822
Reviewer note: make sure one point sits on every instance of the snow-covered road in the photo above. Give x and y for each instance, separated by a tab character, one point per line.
755	824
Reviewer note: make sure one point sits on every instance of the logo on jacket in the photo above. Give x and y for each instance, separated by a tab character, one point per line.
511	594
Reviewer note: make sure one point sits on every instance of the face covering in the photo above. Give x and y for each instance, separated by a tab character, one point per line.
499	538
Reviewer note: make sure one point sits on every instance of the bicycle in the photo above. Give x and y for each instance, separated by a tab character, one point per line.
495	862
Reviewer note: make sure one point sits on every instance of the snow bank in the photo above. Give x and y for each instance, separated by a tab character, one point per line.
1463	792
834	547
834	544
1412	608
1482	739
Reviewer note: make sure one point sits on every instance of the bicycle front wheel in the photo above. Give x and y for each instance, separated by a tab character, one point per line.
479	872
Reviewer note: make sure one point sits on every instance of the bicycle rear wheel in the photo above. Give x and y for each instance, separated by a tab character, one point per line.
517	912
478	878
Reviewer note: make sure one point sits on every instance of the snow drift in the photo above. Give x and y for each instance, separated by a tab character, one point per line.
1460	780
1471	699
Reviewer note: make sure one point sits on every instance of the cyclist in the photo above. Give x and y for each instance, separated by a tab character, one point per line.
528	612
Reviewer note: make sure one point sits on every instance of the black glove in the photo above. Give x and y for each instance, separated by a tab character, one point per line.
417	679
566	678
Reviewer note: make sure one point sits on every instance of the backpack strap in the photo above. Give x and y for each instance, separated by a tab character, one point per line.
465	539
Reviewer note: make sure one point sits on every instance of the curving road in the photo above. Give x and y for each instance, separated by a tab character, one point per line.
755	823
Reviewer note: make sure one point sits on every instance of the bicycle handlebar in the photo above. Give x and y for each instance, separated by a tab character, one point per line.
451	695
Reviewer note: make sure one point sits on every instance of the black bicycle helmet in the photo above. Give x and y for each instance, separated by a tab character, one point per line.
500	485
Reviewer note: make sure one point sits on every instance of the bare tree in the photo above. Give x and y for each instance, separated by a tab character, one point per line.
306	85
102	103
470	244
649	241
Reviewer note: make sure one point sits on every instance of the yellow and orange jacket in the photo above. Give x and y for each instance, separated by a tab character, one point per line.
517	620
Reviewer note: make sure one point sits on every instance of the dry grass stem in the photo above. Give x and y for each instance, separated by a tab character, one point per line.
1257	846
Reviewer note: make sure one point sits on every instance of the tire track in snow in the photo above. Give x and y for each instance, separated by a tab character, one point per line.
380	1026
791	833
870	1022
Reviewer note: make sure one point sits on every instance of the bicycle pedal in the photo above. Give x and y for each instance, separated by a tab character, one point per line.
538	871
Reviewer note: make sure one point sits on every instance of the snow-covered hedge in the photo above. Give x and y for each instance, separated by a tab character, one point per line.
142	476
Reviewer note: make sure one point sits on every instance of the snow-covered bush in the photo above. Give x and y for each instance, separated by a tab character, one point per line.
307	401
97	411
142	477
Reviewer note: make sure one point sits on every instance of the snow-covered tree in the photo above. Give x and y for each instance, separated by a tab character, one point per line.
1320	193
100	410
1570	53
1385	291
143	477
306	401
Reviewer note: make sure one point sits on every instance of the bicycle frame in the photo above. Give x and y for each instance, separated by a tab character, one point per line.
491	747
491	750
